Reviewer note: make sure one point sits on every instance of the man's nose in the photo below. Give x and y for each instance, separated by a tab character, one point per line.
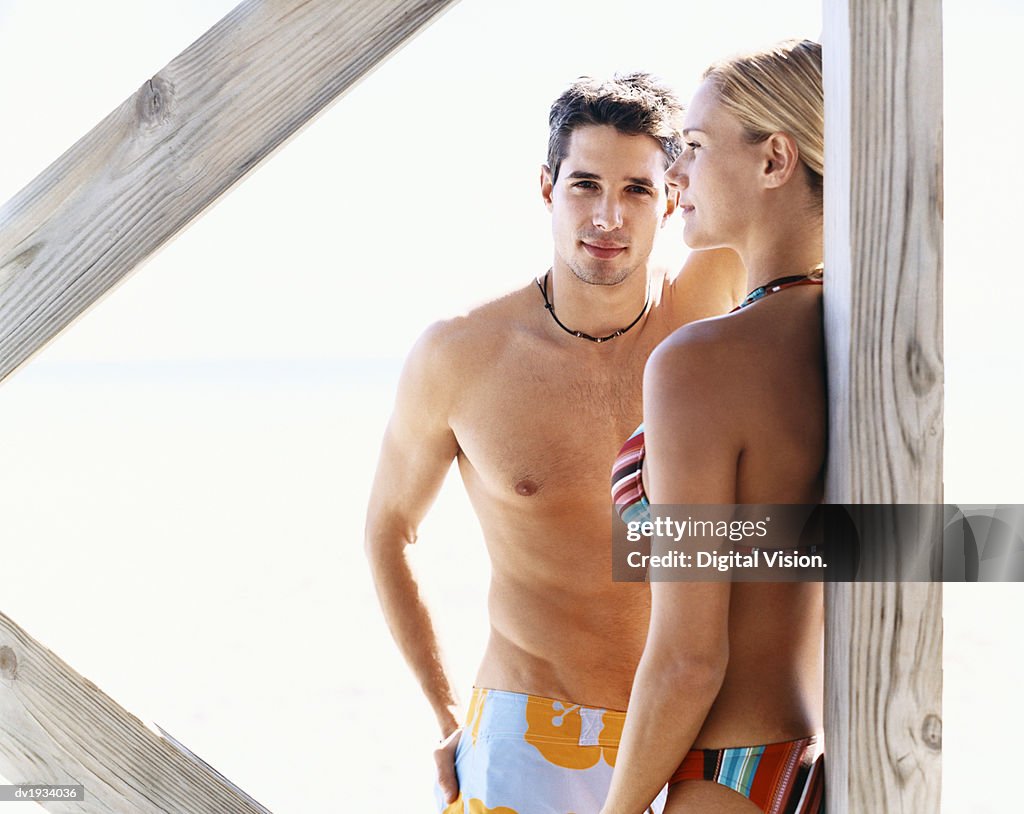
608	213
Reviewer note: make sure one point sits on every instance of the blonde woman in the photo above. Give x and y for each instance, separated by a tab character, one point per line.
726	703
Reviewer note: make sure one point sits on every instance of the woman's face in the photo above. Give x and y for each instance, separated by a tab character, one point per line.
716	177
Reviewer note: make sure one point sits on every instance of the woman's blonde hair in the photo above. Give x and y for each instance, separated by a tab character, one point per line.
779	89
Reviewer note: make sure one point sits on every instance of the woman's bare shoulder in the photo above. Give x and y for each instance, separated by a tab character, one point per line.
692	358
706	341
714	365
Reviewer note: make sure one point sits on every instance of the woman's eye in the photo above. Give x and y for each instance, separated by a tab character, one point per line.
692	145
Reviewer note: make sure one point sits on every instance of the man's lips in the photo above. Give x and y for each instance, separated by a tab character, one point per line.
605	251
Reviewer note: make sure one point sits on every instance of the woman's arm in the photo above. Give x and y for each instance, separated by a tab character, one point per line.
692	454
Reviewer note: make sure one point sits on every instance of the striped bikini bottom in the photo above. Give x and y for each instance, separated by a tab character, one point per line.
780	778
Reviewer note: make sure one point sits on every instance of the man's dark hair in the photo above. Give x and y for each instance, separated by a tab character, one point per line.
635	104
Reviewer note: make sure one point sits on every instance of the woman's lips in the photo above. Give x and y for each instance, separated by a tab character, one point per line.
603	252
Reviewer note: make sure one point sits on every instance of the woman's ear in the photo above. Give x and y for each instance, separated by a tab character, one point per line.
781	159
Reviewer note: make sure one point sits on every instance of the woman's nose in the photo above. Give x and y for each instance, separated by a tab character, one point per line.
675	175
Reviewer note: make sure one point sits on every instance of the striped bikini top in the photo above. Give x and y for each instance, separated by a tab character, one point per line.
627	480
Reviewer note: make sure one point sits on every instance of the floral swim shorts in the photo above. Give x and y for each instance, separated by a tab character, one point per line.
523	754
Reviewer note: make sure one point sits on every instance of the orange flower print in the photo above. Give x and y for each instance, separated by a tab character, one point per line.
475	714
476	807
611	735
555	729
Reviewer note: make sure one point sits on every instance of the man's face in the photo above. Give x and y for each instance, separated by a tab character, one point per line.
607	203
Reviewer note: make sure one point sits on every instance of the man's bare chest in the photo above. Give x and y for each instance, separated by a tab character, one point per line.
547	431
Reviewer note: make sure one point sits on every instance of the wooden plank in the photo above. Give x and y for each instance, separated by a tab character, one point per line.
178	144
883	315
59	728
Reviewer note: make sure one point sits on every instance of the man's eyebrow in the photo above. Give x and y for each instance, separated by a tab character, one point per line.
593	176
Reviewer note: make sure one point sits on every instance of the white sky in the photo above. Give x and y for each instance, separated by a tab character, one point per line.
413	197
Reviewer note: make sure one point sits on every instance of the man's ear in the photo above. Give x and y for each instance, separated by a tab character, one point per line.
671	202
781	159
546	185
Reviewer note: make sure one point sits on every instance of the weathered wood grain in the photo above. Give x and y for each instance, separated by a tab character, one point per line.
56	727
883	311
179	143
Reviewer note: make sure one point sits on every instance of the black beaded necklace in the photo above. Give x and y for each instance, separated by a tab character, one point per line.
580	334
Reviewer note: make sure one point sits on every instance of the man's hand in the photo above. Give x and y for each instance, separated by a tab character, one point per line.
444	757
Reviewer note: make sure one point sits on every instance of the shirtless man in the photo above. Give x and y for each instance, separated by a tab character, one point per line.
533	402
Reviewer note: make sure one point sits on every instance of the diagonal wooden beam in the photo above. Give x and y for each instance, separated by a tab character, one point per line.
883	316
176	146
58	729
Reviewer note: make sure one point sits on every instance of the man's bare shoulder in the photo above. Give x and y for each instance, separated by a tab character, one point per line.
709	283
472	338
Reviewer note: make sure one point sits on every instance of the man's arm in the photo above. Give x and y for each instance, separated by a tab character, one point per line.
416	453
711	282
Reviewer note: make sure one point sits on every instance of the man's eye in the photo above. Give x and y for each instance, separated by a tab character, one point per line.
585	185
641	190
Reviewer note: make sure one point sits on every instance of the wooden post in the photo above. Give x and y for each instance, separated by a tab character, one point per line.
59	729
883	316
178	144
